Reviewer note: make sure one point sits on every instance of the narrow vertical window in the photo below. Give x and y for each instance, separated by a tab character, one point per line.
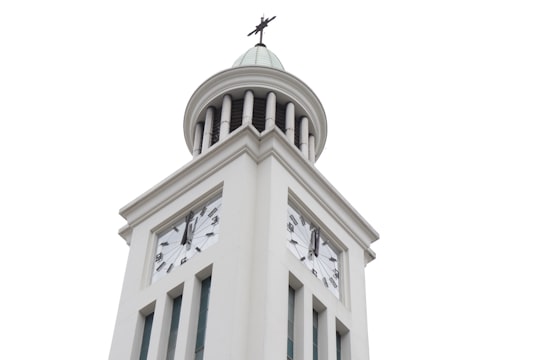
290	328
315	335
173	333
148	320
203	315
338	346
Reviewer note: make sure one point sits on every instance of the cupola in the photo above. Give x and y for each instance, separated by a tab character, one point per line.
256	91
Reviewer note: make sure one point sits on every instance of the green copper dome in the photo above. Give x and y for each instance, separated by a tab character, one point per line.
259	55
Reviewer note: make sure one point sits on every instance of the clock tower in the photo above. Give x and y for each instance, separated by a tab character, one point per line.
247	251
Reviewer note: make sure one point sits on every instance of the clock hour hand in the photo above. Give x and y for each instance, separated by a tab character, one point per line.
314	244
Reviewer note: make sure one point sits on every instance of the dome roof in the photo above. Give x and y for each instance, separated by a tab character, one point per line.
259	55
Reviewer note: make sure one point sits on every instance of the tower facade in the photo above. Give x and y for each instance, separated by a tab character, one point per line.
246	252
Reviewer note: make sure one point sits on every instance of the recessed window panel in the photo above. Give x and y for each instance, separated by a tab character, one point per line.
148	320
203	314
290	325
173	333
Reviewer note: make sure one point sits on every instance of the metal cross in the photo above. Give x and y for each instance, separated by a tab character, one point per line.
260	27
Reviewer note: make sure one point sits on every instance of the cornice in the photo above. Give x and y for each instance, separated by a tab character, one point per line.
259	147
242	141
275	144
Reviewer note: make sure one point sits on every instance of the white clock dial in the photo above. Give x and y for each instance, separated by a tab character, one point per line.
197	230
306	241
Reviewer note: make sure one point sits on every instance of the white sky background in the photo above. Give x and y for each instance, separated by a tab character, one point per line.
433	111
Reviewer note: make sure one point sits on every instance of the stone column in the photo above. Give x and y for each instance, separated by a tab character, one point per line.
289	122
225	117
270	111
304	135
312	148
247	114
197	141
207	134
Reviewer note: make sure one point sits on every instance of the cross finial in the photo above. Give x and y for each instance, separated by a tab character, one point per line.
260	27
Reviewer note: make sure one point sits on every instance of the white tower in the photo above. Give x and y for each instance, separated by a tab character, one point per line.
247	252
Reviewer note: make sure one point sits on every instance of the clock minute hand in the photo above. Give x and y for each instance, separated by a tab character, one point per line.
191	232
186	238
314	243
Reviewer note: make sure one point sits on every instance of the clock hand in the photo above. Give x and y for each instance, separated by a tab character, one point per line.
190	233
185	238
314	243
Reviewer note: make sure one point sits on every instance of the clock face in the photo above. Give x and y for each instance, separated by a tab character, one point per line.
197	230
312	248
